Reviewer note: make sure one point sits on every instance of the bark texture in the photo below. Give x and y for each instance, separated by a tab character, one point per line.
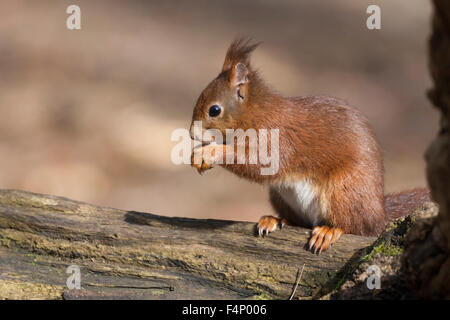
136	255
426	260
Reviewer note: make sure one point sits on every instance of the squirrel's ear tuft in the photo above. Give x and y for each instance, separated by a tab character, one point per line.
239	52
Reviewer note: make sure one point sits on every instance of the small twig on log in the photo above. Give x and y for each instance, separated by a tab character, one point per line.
299	276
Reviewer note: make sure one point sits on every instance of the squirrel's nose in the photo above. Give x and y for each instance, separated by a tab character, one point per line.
196	131
191	132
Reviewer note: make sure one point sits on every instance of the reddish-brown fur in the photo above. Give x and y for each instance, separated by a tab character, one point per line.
322	139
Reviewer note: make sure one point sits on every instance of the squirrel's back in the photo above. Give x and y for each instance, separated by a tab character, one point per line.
327	134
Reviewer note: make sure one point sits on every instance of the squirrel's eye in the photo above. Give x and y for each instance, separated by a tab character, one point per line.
214	110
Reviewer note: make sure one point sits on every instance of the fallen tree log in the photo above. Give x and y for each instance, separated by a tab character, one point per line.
136	255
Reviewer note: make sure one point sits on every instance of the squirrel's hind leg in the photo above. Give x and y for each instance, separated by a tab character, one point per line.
323	236
268	224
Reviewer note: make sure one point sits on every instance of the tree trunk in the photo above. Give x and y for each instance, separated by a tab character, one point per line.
426	261
126	254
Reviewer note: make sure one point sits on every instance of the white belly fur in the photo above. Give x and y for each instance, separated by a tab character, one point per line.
304	200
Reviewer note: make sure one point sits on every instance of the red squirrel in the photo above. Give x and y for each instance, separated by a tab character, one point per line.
330	175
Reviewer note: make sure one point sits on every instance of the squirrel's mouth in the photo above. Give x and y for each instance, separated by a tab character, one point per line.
204	140
203	137
201	142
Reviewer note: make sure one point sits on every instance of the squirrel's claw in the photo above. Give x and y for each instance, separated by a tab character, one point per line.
268	224
201	168
206	155
322	237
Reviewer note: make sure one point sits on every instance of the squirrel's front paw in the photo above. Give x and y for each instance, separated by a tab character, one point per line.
204	158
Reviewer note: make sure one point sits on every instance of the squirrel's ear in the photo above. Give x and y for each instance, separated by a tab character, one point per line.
238	75
238	79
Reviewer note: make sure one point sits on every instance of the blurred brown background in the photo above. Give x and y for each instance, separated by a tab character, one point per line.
88	114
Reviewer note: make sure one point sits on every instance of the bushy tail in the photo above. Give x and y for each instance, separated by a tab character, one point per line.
403	203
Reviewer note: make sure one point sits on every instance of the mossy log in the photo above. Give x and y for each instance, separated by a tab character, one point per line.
136	255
